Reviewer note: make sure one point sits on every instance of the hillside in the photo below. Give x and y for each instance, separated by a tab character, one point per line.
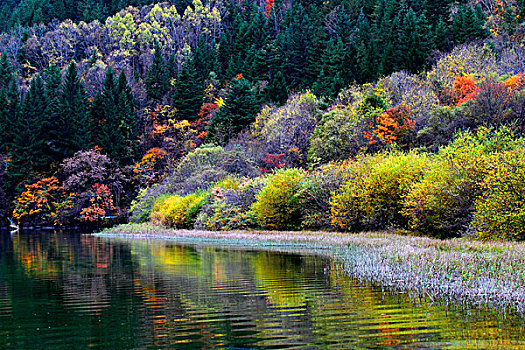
191	107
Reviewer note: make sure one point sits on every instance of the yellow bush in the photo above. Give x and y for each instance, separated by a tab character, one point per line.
372	197
277	206
500	210
177	211
442	203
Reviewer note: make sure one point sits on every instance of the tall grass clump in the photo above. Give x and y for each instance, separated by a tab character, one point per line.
442	203
372	197
277	205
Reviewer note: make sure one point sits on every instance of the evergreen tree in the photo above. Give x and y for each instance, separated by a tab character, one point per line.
72	118
157	80
53	80
239	111
128	120
28	139
188	92
296	45
330	82
366	67
201	60
417	36
441	41
3	120
113	111
276	90
469	24
315	55
6	73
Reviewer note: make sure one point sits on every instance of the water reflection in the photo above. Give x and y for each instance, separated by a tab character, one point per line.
77	291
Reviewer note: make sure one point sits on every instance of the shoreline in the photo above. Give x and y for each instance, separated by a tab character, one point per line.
458	271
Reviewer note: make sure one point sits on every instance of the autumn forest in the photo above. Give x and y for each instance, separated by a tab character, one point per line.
279	114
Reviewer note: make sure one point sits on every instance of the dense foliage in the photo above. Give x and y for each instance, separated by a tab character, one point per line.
207	114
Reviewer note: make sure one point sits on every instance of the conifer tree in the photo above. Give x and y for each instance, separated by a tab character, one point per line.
296	44
28	139
6	73
53	80
128	120
417	36
239	111
276	90
157	80
114	113
441	41
188	92
330	82
72	118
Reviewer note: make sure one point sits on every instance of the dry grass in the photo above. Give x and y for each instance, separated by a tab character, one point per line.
459	270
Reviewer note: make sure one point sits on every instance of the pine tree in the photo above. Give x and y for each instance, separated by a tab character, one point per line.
128	120
201	60
239	111
276	90
315	55
3	120
417	36
6	73
72	119
330	82
296	45
441	33
188	92
157	81
53	80
113	113
28	139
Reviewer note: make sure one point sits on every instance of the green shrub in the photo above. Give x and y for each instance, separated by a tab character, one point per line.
442	203
316	191
500	210
372	197
226	218
277	206
178	211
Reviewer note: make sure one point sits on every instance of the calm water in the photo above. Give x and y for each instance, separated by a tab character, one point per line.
79	291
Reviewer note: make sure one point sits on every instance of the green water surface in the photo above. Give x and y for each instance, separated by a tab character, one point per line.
72	291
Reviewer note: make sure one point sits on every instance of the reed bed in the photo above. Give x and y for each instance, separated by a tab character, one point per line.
459	270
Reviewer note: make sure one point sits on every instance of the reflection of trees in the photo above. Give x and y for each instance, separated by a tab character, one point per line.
159	294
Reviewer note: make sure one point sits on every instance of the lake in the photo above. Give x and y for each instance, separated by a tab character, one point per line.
69	291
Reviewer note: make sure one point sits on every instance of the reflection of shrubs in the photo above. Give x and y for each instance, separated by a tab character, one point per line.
441	204
372	197
500	210
277	206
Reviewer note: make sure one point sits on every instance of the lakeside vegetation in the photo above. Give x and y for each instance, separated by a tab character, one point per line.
266	115
458	270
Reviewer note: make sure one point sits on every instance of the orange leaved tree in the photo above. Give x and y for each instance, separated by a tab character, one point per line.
42	202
